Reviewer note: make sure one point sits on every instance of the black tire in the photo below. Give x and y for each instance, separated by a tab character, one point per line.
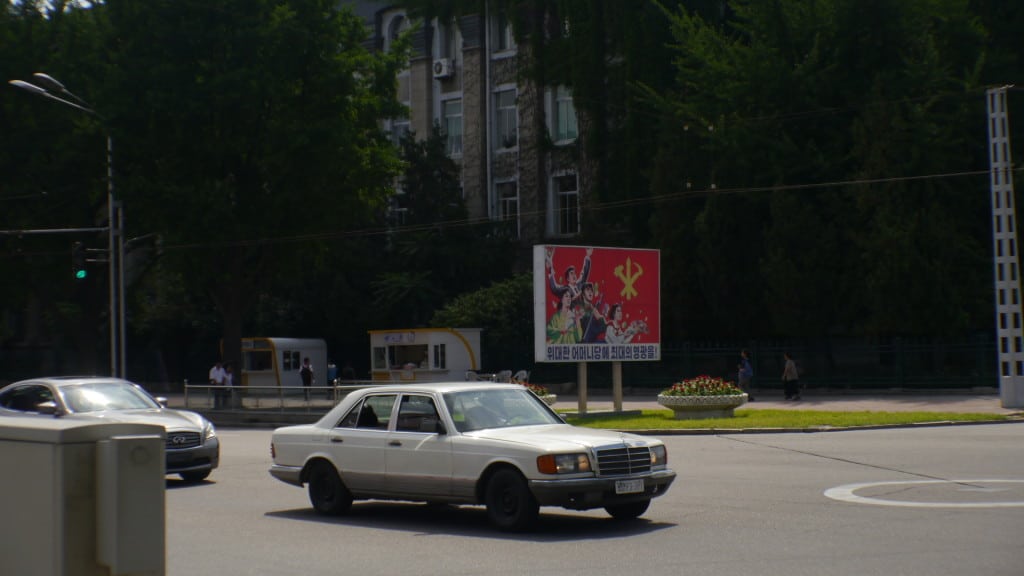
510	504
327	493
629	511
195	476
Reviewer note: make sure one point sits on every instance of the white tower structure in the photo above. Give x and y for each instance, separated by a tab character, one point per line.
1010	335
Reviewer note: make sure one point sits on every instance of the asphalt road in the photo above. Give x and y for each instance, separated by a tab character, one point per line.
943	501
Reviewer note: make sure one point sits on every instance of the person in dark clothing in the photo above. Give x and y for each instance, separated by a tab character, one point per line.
746	375
306	372
790	378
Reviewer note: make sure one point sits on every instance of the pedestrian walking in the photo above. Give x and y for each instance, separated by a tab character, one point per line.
790	378
217	376
306	373
746	375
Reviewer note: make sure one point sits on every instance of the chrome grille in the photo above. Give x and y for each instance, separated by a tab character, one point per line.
623	460
182	440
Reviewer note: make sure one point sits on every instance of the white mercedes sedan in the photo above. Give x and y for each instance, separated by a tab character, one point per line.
467	443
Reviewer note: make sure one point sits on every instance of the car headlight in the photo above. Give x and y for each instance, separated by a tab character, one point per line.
208	430
659	456
563	463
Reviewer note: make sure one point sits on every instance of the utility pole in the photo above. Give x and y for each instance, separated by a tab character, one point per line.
46	86
1009	330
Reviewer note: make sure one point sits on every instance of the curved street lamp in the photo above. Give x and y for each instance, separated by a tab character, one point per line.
46	86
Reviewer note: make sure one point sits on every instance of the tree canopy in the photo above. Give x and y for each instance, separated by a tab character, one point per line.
807	169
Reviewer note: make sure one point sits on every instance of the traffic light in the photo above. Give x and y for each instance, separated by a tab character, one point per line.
78	261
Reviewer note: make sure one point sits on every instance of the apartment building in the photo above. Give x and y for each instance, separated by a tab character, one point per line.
515	143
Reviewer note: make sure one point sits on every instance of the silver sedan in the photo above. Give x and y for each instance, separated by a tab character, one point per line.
193	450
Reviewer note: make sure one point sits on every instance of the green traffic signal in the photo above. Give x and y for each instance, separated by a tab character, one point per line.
78	261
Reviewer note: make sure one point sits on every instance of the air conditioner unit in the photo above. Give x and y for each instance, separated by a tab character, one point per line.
443	68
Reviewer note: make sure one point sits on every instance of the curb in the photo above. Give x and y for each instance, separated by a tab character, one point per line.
812	429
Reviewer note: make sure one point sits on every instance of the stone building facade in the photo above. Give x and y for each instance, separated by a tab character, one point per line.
515	142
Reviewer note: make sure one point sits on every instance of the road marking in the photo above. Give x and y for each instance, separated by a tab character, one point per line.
847	493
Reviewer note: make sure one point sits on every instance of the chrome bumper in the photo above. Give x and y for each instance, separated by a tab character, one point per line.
287	474
586	493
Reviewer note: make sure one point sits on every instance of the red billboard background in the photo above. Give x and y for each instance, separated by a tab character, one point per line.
594	304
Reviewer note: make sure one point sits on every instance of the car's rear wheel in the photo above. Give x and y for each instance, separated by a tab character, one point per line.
195	476
510	504
327	493
628	511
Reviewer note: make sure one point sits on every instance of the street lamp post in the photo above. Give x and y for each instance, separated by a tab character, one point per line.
46	86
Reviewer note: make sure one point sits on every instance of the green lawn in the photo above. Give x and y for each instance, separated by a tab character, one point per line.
665	420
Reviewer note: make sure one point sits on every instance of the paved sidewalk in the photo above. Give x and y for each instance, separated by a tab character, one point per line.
812	400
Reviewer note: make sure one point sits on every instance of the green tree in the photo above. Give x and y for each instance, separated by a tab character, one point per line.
787	94
434	252
53	160
504	310
248	136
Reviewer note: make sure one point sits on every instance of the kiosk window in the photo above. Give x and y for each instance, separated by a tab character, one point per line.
290	360
380	359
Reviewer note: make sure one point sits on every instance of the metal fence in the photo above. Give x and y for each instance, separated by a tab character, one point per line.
256	398
836	364
842	365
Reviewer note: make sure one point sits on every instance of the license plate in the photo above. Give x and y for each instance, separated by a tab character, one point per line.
629	486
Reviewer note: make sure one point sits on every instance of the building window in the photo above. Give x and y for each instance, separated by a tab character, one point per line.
567	205
502	38
449	37
506	121
395	26
453	126
398	129
440	358
563	113
508	204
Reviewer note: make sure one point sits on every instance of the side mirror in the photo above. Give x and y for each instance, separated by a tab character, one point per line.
161	401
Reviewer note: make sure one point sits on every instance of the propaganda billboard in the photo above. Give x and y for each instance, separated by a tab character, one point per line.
593	304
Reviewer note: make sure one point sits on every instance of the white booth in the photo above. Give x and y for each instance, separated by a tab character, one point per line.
276	361
424	354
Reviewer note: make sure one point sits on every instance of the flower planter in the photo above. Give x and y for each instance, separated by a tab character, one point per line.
698	407
549	399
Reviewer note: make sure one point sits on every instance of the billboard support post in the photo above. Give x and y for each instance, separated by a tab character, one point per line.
581	387
617	385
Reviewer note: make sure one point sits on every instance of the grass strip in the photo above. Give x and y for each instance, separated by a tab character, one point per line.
665	420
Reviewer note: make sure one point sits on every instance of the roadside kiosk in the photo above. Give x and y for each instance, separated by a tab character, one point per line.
270	362
424	354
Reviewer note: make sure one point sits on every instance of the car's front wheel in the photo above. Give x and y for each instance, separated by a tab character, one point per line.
628	511
510	504
327	493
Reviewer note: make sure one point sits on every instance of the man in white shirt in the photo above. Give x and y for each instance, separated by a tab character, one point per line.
217	377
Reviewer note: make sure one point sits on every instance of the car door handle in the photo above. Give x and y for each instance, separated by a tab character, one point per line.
337	439
395	443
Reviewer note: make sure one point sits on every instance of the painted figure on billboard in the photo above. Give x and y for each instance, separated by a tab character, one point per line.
594	304
574	282
564	326
593	321
618	332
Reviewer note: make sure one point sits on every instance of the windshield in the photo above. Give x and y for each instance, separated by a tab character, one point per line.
99	396
479	409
